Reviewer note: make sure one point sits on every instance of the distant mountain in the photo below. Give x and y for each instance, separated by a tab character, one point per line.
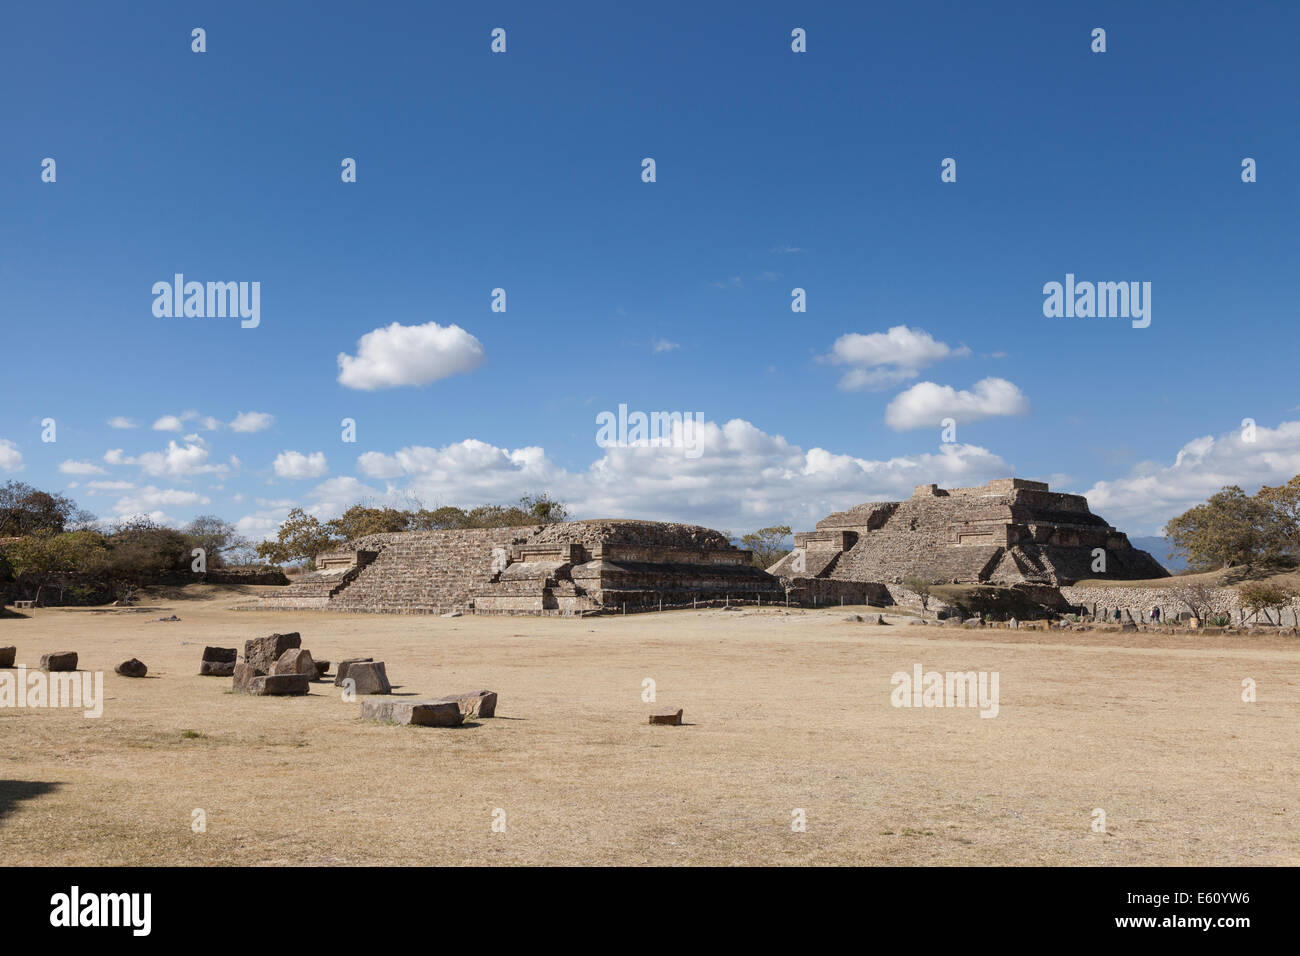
1159	549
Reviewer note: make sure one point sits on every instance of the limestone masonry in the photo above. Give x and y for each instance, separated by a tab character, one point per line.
577	566
1010	531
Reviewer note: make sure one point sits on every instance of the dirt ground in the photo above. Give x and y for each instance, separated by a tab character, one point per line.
784	710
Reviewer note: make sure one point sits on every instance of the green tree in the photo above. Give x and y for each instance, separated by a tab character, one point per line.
1260	597
41	558
768	545
300	538
1282	503
922	587
1231	528
28	510
360	520
217	537
543	509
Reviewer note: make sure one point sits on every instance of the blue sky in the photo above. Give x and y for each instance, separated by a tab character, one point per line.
522	170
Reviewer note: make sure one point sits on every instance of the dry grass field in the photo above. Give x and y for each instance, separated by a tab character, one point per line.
784	710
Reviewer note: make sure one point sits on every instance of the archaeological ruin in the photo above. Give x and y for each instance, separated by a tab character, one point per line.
1010	531
573	567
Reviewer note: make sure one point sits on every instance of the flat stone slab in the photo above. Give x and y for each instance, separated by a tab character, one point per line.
672	718
421	713
370	677
222	654
59	661
216	668
278	685
478	703
7	656
342	672
296	660
263	652
132	668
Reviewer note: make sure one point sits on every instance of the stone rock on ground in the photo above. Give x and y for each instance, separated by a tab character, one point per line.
672	718
422	713
278	685
478	703
220	654
132	668
342	672
296	660
370	677
217	668
59	661
453	614
7	656
263	652
242	675
321	668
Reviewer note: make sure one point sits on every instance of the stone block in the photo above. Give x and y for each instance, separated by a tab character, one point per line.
296	660
132	668
222	654
7	656
262	652
321	668
672	718
478	703
370	677
242	675
421	713
59	661
278	685
217	668
342	671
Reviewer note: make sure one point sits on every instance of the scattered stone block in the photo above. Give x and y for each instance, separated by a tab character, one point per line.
370	677
973	622
242	675
217	668
672	718
342	672
478	703
7	656
262	652
422	713
132	668
453	614
59	661
278	685
321	668
220	654
296	660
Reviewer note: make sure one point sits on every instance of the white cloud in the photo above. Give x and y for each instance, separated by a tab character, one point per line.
173	461
151	500
294	464
926	404
120	422
110	485
1153	492
169	423
743	479
663	345
208	423
409	355
251	422
884	359
11	459
73	467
